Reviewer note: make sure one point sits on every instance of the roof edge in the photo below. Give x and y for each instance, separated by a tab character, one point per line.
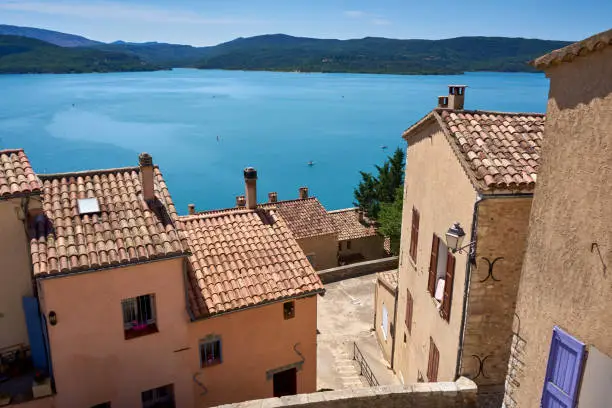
48	176
570	52
343	210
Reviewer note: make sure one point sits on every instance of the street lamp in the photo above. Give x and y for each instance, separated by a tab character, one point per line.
454	238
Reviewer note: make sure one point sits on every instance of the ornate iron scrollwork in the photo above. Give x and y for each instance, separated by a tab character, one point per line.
491	264
297	365
202	386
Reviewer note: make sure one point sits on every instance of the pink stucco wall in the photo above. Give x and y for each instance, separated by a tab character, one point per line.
93	363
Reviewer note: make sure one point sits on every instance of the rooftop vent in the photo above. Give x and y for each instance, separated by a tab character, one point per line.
88	206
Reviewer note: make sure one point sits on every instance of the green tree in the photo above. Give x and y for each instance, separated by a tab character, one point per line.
390	220
372	191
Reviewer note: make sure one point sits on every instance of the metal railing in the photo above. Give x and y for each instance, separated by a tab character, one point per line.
365	369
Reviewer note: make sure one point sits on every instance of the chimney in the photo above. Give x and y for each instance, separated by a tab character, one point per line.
250	181
442	101
456	96
145	162
360	216
303	193
240	201
191	209
272	197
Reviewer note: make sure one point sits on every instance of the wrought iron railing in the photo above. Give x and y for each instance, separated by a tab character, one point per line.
364	368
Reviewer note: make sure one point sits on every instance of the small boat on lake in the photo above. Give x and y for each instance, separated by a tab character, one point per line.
310	163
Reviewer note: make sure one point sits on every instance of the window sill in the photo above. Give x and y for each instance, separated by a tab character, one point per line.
211	364
132	334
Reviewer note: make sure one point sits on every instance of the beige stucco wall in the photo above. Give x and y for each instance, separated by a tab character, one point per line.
501	238
370	247
325	248
93	362
386	297
437	186
15	275
563	282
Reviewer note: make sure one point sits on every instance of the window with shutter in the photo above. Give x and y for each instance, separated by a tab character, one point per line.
434	361
433	265
563	372
448	286
414	234
409	306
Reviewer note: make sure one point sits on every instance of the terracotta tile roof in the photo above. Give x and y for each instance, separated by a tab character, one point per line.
305	217
242	258
126	230
500	152
348	225
389	279
572	51
16	175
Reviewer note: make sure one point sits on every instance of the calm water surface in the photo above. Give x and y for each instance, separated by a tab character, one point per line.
276	122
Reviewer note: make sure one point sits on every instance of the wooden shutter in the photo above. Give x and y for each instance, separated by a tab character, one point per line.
563	372
448	287
409	305
414	234
433	265
434	361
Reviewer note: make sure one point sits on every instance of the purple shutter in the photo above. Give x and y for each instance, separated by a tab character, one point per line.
563	371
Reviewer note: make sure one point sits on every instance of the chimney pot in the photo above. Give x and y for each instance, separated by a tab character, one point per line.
272	197
303	193
250	184
442	101
240	201
456	96
145	162
191	208
360	216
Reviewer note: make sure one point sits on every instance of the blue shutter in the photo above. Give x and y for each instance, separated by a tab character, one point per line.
563	371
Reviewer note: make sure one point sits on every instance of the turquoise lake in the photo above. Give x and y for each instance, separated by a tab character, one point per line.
275	122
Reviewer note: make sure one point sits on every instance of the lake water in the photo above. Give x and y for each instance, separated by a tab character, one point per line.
276	122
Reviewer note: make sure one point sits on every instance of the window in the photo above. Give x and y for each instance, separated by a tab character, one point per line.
348	244
414	234
441	276
384	325
210	351
409	305
563	372
434	361
102	405
88	206
139	316
311	259
289	310
339	245
162	397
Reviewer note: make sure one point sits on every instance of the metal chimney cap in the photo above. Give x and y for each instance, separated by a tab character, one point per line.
145	159
250	173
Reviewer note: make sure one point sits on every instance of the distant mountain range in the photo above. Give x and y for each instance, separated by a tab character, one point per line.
62	52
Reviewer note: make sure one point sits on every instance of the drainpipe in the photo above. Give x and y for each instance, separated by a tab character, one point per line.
394	327
471	260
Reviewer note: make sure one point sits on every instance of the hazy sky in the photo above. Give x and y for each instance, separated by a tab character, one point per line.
208	22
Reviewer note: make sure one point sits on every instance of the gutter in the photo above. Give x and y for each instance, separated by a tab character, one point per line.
394	327
471	260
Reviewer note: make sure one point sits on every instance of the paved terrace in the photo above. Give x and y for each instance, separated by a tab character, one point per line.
346	315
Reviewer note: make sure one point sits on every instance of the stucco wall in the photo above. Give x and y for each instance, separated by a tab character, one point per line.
386	297
325	248
370	247
93	363
563	282
437	186
15	275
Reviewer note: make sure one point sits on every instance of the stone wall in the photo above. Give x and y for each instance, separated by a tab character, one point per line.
358	269
459	394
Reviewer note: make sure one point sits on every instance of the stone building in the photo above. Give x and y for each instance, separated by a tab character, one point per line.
133	305
470	172
562	346
358	239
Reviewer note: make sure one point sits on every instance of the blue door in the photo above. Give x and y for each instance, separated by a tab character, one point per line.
35	333
563	371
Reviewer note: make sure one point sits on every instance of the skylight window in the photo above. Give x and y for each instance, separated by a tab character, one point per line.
88	206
